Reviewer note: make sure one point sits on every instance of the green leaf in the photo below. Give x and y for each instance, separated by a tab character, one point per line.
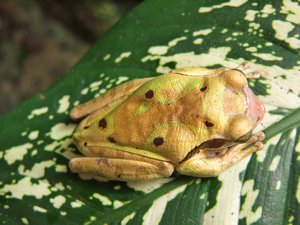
35	138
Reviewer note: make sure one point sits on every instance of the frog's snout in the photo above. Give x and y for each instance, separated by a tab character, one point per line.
256	109
76	139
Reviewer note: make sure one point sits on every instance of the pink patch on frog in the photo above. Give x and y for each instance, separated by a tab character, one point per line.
256	110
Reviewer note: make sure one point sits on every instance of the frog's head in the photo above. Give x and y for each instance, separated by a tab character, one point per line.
86	135
243	124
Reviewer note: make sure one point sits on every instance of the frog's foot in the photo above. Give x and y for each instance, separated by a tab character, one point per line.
204	164
243	66
121	169
255	74
238	152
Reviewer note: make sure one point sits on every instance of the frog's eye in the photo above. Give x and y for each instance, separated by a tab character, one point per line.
240	126
235	79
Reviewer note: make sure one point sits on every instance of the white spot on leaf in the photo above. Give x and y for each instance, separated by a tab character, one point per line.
39	209
292	9
16	153
77	204
158	50
25	187
122	56
64	104
106	57
268	9
38	170
103	199
117	204
33	135
231	3
175	41
61	130
148	186
274	163
198	41
24	220
58	201
282	29
278	185
61	168
298	191
251	49
156	211
38	112
202	32
126	219
121	79
229	197
84	91
246	209
267	56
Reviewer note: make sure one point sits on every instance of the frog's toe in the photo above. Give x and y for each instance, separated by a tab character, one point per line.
259	146
260	136
243	66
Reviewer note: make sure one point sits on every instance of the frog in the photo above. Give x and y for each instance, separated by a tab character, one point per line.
192	121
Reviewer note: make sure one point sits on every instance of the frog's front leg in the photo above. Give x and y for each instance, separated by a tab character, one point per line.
122	169
204	164
107	100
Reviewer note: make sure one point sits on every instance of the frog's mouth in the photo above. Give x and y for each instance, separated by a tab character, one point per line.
214	145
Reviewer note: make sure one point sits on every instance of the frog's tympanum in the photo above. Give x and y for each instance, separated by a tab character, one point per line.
195	121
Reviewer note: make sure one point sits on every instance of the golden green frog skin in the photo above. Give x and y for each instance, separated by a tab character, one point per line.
195	121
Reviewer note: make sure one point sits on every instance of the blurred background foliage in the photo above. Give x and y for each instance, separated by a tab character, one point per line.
41	39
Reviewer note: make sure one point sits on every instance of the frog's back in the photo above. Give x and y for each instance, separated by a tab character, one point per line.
166	116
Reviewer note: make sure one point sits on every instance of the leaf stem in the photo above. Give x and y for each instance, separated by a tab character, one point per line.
290	121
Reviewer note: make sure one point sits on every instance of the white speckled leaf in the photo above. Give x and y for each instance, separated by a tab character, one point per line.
36	186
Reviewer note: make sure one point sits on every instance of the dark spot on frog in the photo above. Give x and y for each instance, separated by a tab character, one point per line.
149	94
158	141
208	124
102	160
195	115
86	127
112	139
102	123
203	88
119	175
85	144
